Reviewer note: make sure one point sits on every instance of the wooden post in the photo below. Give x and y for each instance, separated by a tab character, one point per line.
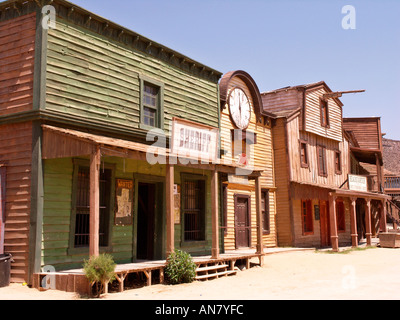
383	213
95	159
333	223
368	232
169	181
214	213
2	207
378	172
353	222
260	248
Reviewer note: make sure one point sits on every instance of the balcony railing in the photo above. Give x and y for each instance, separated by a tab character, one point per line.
392	183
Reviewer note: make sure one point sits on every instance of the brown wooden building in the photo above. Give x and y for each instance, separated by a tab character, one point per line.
316	206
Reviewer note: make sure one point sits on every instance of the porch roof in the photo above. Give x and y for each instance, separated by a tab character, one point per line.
334	191
63	143
360	194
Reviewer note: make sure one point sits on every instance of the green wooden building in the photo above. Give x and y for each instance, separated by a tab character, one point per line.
79	95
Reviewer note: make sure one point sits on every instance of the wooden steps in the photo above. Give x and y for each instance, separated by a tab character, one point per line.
213	270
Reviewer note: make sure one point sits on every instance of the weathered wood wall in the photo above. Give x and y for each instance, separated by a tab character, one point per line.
261	157
310	175
314	240
366	130
93	78
282	101
282	181
313	116
17	52
58	180
16	154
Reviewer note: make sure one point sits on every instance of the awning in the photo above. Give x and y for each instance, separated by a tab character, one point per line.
308	190
360	194
65	143
367	155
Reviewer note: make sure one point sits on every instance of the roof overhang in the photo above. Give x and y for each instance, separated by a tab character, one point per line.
367	155
65	143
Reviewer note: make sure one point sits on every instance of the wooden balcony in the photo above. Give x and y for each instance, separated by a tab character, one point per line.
392	185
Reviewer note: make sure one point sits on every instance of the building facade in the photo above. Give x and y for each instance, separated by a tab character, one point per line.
87	118
246	140
316	204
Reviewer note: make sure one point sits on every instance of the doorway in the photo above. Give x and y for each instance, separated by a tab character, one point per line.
146	221
325	224
242	221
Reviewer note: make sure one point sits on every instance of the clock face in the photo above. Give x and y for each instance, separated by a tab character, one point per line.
239	107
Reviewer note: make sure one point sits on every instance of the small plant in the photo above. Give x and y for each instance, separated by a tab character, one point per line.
99	270
180	268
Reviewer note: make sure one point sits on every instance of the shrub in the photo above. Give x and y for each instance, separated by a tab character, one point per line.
99	270
180	268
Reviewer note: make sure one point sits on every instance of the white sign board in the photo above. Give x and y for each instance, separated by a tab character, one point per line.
358	183
195	141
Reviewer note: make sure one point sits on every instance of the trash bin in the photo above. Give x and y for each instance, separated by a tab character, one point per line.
5	267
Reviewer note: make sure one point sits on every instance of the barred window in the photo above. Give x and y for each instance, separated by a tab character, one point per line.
194	210
82	206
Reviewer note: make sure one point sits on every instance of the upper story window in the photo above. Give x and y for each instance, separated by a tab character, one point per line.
322	164
151	104
338	162
303	154
340	216
265	211
307	217
324	113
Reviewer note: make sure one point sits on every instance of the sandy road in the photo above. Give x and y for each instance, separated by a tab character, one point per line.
371	274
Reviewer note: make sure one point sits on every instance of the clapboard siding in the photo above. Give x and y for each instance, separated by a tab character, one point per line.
17	51
310	175
313	116
261	156
16	154
314	239
282	101
366	131
97	79
58	186
283	221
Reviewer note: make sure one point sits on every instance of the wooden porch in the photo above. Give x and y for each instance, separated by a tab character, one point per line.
147	273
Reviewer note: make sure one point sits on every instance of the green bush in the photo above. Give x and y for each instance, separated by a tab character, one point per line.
99	270
180	268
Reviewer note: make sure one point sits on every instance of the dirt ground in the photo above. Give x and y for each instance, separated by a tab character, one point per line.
371	274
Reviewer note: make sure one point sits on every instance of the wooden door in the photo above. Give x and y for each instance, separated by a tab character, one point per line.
146	218
242	221
325	224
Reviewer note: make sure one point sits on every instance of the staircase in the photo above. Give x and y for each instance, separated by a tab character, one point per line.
213	271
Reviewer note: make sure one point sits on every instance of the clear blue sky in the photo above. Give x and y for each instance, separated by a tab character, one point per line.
282	43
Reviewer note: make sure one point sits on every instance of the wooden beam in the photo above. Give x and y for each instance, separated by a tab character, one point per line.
169	181
339	94
214	213
95	159
368	231
333	223
260	248
353	222
3	178
383	212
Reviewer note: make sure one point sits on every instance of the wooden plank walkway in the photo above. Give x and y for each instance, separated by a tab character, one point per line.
75	280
